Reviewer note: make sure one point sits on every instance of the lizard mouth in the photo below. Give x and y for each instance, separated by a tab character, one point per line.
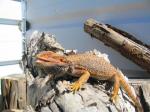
42	60
45	60
39	61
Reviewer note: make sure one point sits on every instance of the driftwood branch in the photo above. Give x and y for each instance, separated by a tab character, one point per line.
137	52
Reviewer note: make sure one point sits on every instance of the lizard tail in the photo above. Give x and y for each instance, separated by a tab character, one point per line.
130	92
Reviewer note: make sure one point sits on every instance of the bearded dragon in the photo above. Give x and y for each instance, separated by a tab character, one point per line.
86	65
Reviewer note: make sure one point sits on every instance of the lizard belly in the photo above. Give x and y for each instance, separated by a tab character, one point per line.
100	76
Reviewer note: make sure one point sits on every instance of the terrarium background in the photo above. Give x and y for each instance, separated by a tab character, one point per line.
65	20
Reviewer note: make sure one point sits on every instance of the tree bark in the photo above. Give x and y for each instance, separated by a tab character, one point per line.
13	92
139	54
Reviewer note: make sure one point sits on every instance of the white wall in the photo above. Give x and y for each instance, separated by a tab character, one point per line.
10	37
65	20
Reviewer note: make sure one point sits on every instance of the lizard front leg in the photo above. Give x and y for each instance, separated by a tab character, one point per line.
115	88
82	80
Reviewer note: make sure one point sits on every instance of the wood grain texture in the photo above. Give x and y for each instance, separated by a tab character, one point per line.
138	53
14	91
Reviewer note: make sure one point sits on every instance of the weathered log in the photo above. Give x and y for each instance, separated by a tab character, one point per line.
139	54
13	92
129	36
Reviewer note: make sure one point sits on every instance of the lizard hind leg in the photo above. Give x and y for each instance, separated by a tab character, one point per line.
115	89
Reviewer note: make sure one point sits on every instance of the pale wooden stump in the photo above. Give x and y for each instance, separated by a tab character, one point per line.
13	92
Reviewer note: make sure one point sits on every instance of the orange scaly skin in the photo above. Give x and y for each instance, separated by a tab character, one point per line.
88	65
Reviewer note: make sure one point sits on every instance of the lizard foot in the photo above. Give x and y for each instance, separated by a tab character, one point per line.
75	86
114	98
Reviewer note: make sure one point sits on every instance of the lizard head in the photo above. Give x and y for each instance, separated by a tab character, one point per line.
51	62
45	59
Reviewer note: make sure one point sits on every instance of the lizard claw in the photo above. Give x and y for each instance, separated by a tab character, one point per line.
114	98
75	86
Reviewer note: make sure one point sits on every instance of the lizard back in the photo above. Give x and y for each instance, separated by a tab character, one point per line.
97	66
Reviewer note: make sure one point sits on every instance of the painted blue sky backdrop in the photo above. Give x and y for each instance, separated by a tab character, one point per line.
131	15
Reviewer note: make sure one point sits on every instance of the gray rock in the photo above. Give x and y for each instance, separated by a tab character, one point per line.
146	95
46	109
